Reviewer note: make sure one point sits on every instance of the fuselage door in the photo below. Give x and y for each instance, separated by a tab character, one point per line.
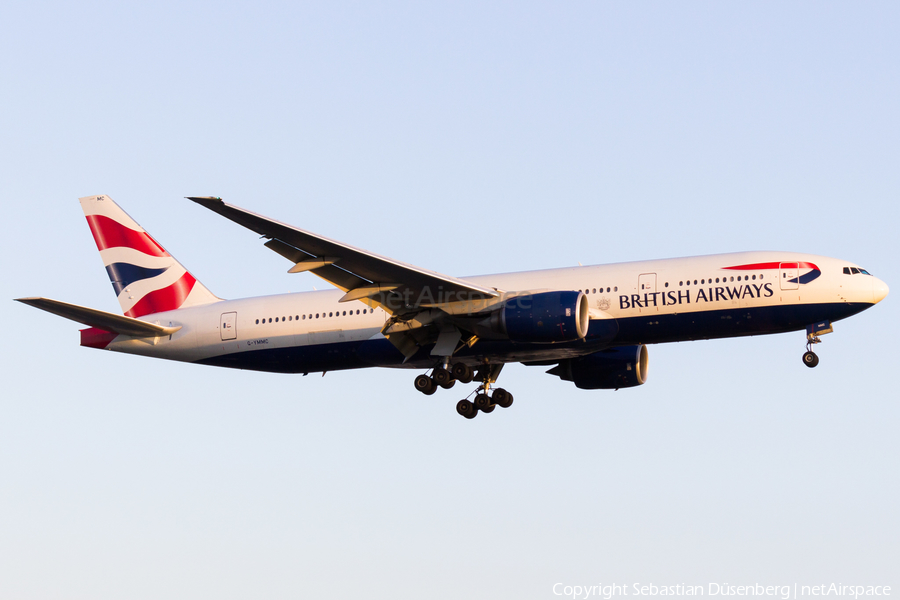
789	276
646	283
228	326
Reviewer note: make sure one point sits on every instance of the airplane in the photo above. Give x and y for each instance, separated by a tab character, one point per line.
590	324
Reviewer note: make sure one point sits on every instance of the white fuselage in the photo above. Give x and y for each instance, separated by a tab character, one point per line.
649	301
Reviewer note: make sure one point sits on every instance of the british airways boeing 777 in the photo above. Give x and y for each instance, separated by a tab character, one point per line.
591	325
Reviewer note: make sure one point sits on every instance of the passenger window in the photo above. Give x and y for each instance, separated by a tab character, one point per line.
754	278
270	319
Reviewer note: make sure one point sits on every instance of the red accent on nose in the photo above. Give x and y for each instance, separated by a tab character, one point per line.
771	265
112	234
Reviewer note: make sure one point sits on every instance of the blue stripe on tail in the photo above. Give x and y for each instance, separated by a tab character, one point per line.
124	274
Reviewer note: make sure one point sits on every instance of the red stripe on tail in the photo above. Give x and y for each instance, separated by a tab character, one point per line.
167	298
112	234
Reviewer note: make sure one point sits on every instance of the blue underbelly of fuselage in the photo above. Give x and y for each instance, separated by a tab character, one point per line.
643	329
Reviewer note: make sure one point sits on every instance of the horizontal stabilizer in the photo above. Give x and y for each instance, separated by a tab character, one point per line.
99	318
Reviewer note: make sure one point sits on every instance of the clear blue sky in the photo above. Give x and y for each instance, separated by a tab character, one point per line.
468	138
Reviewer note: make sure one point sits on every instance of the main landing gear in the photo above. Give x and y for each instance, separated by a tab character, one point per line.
485	400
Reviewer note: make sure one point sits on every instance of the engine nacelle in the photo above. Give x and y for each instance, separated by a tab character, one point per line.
545	318
608	369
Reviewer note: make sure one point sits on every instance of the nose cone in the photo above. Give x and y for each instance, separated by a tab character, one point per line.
880	289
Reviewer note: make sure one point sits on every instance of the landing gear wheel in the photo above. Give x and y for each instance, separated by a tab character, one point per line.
466	409
443	378
483	403
810	359
425	384
463	373
502	398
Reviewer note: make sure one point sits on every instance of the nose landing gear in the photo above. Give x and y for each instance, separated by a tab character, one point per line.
810	358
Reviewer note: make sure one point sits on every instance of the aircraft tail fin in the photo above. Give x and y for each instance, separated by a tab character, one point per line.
145	277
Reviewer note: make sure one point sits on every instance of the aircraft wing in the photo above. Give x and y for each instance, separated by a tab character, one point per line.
376	280
100	318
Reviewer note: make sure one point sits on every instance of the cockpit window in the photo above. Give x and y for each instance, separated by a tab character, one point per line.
846	270
864	272
854	270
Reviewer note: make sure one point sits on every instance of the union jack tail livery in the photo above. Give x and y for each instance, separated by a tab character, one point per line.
146	278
